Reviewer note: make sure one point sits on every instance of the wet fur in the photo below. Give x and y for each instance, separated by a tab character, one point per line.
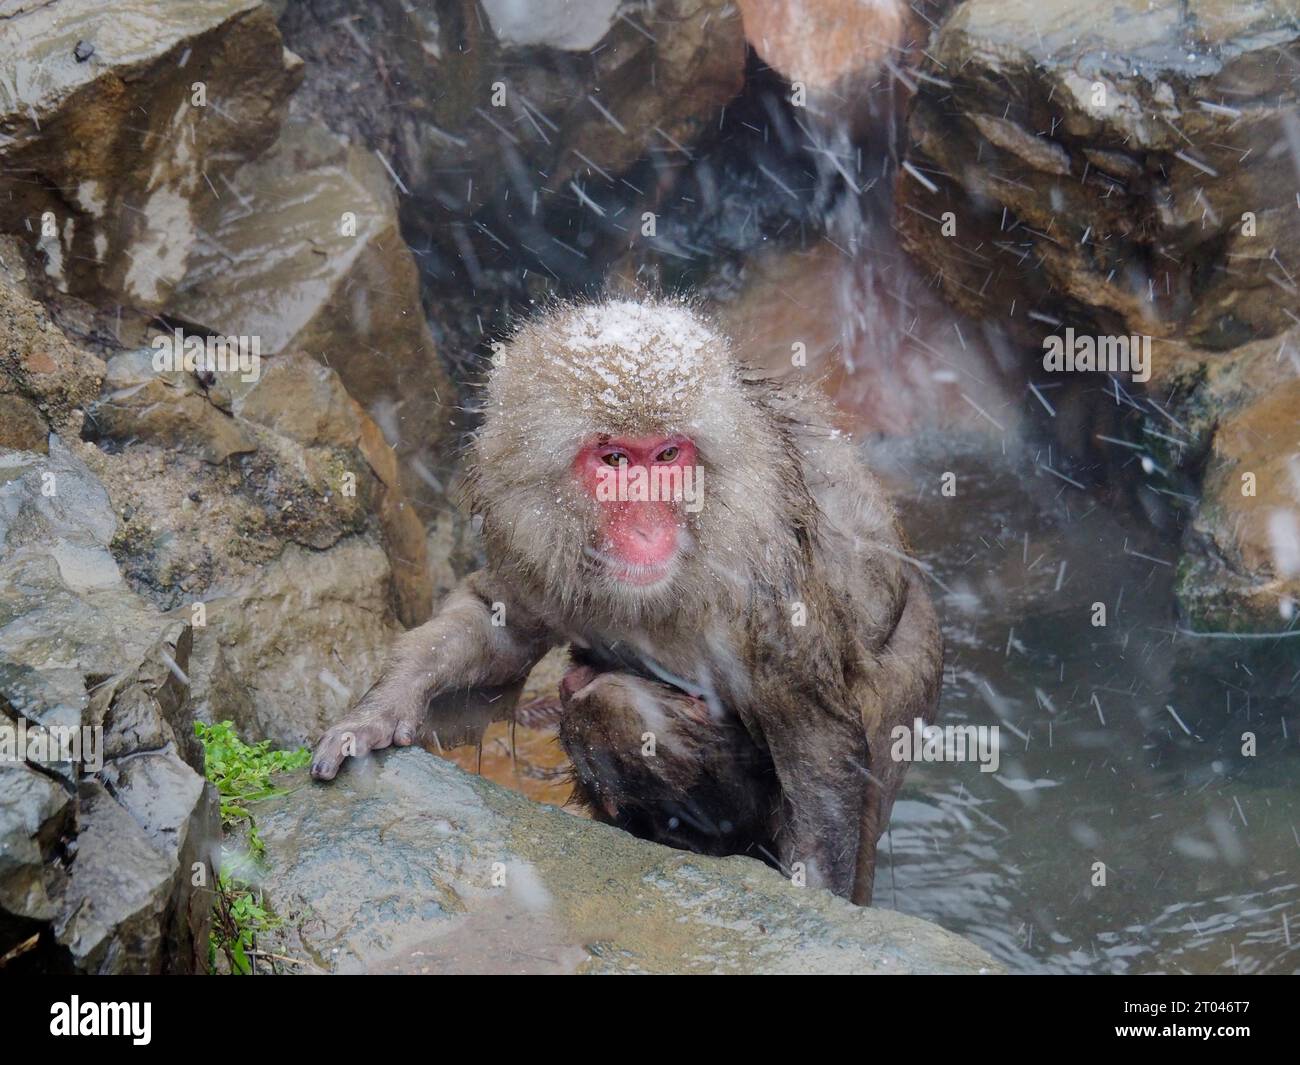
792	750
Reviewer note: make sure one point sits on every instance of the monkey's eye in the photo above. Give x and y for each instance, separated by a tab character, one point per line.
614	458
668	454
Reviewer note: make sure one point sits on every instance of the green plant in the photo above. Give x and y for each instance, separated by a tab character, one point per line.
241	773
237	917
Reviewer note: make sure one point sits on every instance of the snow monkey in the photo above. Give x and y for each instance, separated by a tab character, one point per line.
744	621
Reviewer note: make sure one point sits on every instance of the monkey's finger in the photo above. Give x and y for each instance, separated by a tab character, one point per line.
342	741
326	758
325	762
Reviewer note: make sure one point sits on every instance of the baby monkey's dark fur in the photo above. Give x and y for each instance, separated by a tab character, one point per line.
743	705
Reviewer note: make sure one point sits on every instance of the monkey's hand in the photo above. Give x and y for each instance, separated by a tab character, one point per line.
450	675
377	722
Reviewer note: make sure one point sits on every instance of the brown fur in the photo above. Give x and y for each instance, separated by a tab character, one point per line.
772	738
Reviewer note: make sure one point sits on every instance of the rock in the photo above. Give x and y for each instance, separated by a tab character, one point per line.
219	490
282	573
37	812
404	534
286	653
1130	175
280	558
45	380
1243	567
884	347
109	164
21	425
1214	417
297	397
570	81
1123	170
407	864
97	854
305	401
316	470
306	255
551	23
167	408
826	44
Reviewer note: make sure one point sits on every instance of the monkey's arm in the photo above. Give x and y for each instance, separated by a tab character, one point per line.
478	647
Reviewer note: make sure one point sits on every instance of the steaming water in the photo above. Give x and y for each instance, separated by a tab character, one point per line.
1201	844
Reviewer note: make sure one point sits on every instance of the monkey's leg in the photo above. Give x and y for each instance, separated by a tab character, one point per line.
656	762
479	644
823	764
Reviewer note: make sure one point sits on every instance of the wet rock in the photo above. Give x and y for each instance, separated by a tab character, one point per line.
38	810
263	512
286	653
1127	171
880	342
45	380
283	575
551	23
1224	422
119	122
407	864
1242	566
299	398
99	852
21	425
404	534
1245	565
306	255
471	105
314	469
293	562
165	407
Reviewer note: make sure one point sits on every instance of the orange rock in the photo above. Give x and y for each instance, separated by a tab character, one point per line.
824	42
893	357
1262	441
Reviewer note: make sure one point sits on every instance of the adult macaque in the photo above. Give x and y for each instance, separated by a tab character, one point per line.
743	641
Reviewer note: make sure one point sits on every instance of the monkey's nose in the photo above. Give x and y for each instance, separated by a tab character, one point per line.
644	540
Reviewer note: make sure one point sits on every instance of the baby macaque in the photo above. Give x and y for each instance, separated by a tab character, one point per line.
746	625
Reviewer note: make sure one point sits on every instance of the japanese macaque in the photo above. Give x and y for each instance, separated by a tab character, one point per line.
745	623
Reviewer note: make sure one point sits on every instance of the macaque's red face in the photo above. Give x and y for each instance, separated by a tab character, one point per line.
637	537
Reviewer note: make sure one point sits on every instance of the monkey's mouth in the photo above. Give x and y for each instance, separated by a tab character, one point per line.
638	574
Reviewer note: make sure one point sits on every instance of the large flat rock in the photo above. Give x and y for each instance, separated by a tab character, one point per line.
406	863
118	124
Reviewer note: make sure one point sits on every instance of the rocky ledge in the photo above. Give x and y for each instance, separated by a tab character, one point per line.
408	864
